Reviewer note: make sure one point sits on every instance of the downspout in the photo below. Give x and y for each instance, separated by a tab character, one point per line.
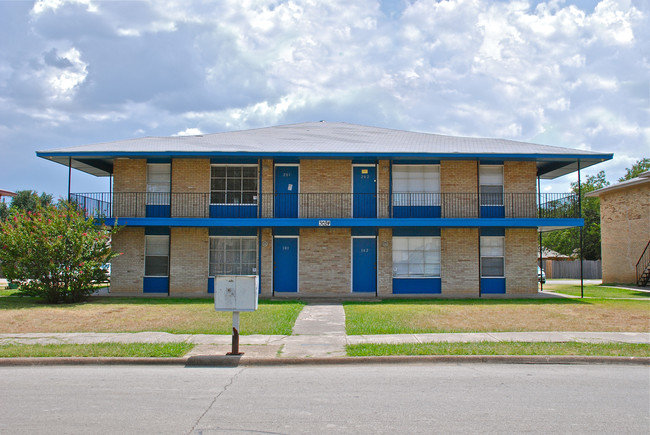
582	281
539	215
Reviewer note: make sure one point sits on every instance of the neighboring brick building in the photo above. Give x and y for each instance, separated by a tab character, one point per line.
328	209
624	227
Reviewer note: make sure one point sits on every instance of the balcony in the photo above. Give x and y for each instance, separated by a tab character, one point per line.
331	205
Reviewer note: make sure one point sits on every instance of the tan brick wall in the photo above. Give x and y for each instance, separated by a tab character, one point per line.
268	173
190	188
459	262
520	187
625	231
459	177
325	176
324	261
266	280
521	260
188	258
383	188
129	187
127	270
385	262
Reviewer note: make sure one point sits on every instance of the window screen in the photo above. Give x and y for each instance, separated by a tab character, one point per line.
416	257
416	185
233	184
492	256
158	183
156	260
233	256
491	184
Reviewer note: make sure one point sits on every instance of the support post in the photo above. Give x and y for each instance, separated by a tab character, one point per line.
235	335
69	175
582	281
539	215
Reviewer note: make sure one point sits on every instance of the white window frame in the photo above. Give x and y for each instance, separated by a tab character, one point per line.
429	195
146	253
410	253
502	257
158	192
241	190
210	257
486	177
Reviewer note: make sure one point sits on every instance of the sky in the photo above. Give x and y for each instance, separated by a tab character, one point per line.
569	73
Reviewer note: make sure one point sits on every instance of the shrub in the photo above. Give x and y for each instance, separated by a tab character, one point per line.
55	252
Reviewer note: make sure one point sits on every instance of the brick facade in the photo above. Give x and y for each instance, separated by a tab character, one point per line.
459	186
188	261
266	278
127	270
459	261
625	231
521	260
384	262
190	176
324	260
129	186
520	177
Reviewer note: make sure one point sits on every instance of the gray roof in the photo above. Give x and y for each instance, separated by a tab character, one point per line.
641	179
326	140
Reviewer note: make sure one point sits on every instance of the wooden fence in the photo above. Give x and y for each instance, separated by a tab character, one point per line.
571	269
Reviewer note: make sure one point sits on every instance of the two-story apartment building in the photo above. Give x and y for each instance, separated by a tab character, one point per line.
328	210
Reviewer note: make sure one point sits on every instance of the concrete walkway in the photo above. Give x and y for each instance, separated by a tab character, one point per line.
319	332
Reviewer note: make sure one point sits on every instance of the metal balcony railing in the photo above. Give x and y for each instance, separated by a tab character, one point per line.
332	205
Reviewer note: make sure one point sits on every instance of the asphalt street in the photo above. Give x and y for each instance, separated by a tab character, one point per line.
413	398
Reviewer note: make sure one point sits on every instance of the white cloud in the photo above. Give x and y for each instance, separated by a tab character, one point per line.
189	132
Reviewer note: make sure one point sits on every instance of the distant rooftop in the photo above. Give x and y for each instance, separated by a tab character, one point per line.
325	140
641	179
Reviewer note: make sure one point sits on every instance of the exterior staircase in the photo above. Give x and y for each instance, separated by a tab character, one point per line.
643	267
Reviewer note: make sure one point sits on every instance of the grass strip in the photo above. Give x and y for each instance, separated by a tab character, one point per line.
496	315
137	314
596	291
500	348
143	350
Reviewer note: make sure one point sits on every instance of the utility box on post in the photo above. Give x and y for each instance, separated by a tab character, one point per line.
235	292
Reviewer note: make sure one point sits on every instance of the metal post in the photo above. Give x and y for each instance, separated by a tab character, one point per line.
539	214
235	335
69	175
582	281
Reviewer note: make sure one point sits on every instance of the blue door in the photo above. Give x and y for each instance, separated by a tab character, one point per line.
364	264
286	191
365	192
285	264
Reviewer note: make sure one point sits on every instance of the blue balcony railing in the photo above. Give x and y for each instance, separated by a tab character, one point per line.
332	205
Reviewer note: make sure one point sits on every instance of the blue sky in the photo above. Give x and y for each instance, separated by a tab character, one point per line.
566	73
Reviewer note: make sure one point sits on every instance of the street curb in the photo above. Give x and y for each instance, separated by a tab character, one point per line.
239	361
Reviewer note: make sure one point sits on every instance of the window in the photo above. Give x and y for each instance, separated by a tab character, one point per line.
158	183
492	256
156	256
491	184
416	185
233	184
416	257
233	256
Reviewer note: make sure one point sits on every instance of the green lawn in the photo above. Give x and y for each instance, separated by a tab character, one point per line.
492	315
501	348
137	314
147	350
596	291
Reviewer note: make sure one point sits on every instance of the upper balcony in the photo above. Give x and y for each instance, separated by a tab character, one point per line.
328	206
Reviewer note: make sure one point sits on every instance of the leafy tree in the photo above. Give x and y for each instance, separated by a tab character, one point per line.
55	252
567	241
26	200
637	169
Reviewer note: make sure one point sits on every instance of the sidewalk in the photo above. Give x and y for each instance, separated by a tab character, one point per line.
319	332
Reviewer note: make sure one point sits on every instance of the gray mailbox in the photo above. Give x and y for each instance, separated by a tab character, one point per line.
235	293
